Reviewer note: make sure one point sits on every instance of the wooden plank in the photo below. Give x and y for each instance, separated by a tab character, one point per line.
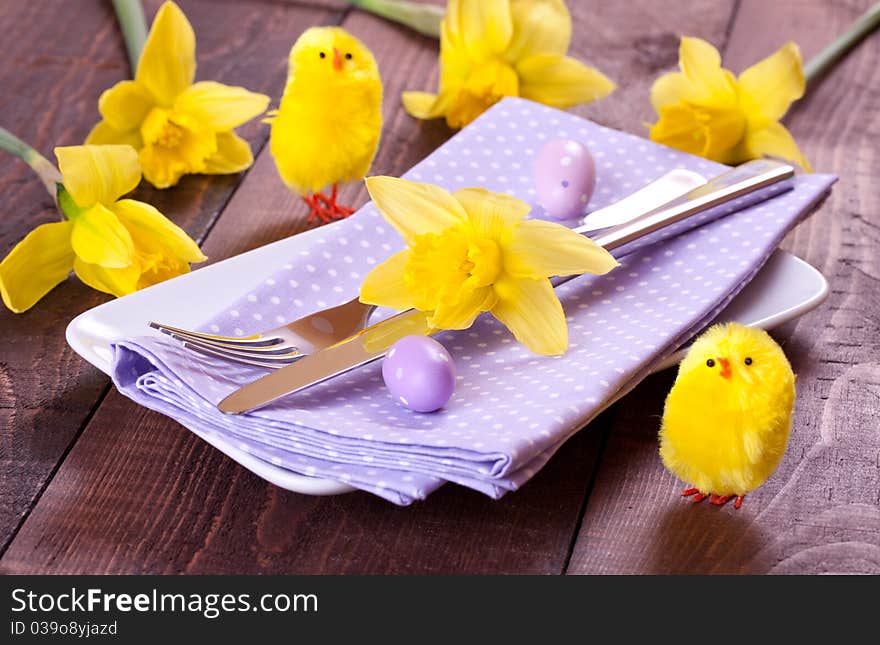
49	96
820	512
631	42
51	87
146	496
153	498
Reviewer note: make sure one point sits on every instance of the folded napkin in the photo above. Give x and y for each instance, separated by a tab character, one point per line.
511	409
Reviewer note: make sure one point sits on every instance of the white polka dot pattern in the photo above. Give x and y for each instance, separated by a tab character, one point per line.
511	409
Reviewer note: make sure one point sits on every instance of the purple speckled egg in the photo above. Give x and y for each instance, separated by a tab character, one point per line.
565	175
419	373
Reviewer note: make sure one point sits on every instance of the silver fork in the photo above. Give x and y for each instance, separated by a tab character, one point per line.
286	344
283	345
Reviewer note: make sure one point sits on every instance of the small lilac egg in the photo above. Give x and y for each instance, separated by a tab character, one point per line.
565	175
419	373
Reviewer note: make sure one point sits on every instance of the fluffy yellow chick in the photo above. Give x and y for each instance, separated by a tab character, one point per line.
326	129
728	415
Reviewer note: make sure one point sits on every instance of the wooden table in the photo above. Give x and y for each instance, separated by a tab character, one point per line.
91	483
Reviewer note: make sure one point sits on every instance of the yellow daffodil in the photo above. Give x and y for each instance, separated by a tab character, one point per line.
114	245
178	127
490	49
472	251
705	110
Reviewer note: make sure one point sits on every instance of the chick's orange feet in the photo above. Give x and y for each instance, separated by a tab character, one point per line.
718	500
325	209
317	212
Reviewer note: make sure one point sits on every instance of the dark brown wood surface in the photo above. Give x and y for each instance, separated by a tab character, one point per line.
90	482
53	73
820	512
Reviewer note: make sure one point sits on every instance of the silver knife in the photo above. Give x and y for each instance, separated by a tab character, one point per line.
373	342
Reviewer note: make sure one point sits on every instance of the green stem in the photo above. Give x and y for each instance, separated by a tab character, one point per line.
424	18
130	14
828	57
47	172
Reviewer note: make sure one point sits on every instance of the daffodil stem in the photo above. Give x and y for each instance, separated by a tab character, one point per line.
47	172
828	57
130	14
424	18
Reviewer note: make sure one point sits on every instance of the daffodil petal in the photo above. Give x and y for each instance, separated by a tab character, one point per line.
491	213
168	62
770	86
117	282
220	107
422	105
384	286
560	81
233	155
455	62
485	27
462	314
98	237
125	105
701	64
151	230
98	174
105	134
775	141
539	26
540	249
414	208
36	265
531	310
670	89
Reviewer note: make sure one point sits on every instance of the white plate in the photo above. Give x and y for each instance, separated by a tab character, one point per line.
785	288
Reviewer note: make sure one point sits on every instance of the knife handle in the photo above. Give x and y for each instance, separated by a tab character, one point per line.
743	183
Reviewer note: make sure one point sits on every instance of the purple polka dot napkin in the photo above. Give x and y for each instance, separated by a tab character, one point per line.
511	409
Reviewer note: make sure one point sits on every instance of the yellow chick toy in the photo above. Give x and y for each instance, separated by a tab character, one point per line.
326	129
728	415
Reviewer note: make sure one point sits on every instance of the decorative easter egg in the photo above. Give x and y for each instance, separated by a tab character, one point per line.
565	175
419	373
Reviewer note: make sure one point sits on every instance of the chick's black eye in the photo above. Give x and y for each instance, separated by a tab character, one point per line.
748	360
710	363
322	55
348	56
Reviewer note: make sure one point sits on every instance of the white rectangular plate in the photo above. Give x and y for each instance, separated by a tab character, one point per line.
785	288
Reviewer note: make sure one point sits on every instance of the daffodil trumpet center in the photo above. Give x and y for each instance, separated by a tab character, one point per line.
160	128
487	83
442	267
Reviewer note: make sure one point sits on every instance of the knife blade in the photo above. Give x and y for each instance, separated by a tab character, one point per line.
355	351
374	341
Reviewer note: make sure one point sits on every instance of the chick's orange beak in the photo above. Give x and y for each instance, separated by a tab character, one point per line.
337	60
725	372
